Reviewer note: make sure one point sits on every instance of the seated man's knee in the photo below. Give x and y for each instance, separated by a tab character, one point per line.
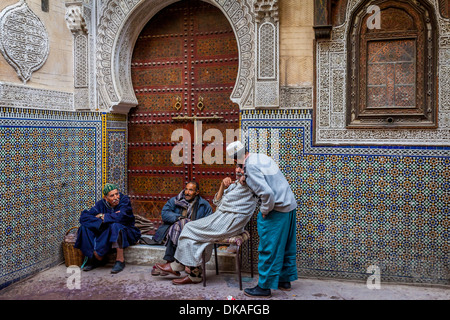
116	226
85	230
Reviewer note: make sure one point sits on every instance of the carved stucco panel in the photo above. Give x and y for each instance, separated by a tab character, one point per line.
24	41
21	96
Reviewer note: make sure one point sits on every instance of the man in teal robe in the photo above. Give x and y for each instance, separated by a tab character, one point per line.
276	221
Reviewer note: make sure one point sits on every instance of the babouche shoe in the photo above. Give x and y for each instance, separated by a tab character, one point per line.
187	280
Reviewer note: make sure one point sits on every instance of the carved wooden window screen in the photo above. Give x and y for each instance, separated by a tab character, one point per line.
392	69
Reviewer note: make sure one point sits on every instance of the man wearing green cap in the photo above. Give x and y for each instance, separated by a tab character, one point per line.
108	224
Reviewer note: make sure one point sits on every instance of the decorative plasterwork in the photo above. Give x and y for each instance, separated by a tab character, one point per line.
267	92
74	17
330	92
24	41
296	97
119	25
21	96
78	16
77	25
266	10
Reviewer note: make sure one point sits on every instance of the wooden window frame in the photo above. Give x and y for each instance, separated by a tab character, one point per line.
424	113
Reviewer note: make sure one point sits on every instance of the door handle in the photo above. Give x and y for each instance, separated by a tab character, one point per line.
200	104
178	104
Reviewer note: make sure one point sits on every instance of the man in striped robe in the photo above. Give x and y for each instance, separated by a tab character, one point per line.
235	203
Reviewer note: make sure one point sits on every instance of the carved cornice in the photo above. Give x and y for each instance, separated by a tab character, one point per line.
74	17
266	10
20	96
322	19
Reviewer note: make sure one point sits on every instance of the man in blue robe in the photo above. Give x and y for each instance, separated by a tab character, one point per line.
108	224
276	221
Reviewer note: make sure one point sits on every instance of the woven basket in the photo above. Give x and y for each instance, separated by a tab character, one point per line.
72	256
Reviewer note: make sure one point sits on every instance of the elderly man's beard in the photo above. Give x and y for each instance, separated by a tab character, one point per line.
241	178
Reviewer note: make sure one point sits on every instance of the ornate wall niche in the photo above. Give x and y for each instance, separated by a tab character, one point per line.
331	95
392	66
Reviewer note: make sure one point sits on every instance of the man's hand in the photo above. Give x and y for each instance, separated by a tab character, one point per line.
226	182
100	216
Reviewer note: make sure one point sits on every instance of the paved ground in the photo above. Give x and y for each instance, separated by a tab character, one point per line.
136	283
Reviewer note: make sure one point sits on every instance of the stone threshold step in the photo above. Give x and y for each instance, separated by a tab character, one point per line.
148	255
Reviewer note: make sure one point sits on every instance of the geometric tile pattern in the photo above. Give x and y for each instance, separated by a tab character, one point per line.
116	128
357	206
50	170
383	206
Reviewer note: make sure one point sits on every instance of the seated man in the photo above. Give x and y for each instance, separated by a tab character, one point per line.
108	224
236	203
178	211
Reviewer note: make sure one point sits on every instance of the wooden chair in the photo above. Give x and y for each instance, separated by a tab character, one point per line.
238	241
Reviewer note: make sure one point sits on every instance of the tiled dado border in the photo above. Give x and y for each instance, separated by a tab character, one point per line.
53	164
359	206
115	138
50	170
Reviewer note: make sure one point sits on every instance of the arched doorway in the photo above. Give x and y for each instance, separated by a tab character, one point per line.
184	68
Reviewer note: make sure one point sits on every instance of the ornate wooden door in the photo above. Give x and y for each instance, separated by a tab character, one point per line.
184	68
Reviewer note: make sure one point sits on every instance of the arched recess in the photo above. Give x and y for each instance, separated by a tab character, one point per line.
392	65
120	24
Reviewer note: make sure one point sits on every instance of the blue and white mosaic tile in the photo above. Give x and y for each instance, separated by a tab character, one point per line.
386	206
50	170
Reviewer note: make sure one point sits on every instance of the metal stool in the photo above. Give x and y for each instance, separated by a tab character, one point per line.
238	241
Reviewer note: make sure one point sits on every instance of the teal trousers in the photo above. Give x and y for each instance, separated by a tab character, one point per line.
277	248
